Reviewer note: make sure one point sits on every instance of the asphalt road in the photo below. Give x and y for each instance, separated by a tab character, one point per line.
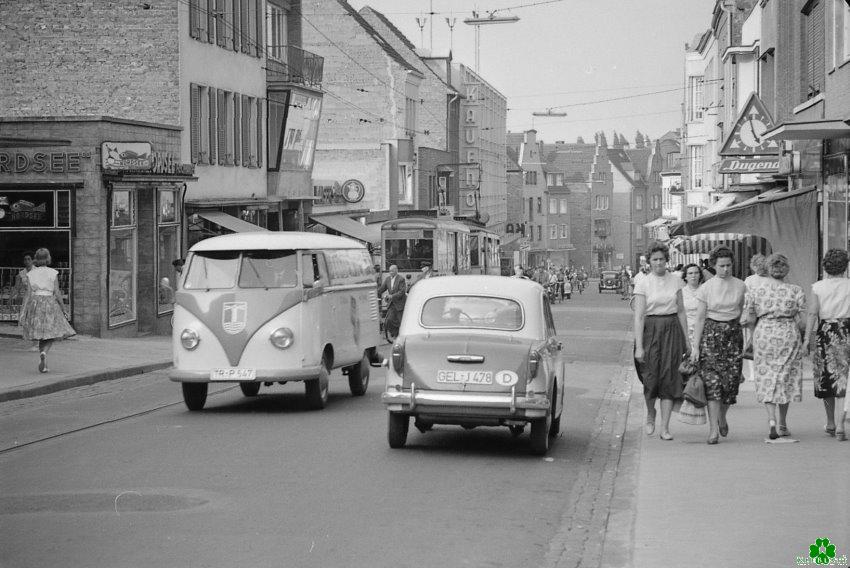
121	474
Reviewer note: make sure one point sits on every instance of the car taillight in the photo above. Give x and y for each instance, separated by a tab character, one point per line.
398	357
533	364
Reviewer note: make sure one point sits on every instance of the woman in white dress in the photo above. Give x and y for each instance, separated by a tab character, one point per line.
692	275
44	318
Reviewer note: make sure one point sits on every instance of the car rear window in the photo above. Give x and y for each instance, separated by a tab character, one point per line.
471	312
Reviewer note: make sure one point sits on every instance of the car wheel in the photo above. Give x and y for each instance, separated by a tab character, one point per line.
195	395
249	388
516	431
317	389
397	429
555	427
358	377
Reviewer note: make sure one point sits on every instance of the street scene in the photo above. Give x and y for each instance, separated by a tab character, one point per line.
554	283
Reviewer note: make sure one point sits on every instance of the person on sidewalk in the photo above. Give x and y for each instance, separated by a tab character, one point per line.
660	338
776	308
692	275
396	287
718	340
753	281
44	316
828	338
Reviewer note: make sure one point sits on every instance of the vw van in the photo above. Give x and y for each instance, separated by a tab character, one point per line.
266	307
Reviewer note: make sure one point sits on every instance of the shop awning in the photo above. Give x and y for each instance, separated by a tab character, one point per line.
809	130
349	227
788	220
229	222
658	222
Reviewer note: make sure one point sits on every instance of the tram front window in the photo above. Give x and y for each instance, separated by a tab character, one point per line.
409	254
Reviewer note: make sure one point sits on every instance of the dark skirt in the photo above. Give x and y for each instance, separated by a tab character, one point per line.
720	359
663	347
831	359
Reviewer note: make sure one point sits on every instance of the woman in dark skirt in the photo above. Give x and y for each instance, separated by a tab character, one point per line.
829	342
661	330
719	340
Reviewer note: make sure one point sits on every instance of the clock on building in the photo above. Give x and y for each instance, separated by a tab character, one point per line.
747	135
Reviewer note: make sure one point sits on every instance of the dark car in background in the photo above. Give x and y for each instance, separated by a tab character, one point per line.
609	280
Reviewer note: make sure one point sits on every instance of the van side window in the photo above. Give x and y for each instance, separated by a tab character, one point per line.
320	273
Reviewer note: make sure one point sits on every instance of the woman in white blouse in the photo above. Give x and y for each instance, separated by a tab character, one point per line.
661	329
828	338
692	275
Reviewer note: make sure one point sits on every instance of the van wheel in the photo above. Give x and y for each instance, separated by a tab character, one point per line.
397	430
195	395
249	388
317	389
358	377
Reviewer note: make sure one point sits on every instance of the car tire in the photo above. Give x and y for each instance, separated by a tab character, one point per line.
249	388
555	427
195	395
317	389
397	427
358	377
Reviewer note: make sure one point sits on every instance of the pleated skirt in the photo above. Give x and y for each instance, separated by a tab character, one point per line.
664	344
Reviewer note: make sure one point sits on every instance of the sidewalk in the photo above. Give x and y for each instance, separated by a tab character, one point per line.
741	502
80	360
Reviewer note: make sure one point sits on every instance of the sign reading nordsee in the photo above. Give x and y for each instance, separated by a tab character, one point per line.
749	165
126	155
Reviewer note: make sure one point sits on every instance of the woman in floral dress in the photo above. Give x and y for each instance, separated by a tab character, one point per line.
777	350
830	340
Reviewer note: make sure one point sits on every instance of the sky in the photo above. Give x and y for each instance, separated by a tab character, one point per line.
565	53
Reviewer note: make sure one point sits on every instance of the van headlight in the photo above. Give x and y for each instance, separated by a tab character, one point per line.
282	337
189	338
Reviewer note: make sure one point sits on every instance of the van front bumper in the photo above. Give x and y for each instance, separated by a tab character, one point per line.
262	375
415	400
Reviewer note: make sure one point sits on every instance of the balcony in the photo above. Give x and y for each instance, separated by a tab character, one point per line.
294	66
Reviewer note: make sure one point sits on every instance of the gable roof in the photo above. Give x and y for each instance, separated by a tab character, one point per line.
575	161
623	163
388	49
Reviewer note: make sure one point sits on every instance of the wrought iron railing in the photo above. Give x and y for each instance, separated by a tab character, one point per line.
290	64
12	292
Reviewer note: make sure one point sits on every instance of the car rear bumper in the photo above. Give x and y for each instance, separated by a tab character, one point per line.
302	374
414	401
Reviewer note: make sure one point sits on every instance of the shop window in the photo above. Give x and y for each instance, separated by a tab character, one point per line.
168	248
122	258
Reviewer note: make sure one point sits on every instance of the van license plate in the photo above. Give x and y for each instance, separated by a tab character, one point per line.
233	374
465	377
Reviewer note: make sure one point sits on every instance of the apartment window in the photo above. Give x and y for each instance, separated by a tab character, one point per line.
231	24
531	209
539	232
564	232
638	232
563	207
409	116
530	178
553	206
639	202
540	205
813	71
553	232
695	154
695	97
276	38
601	203
251	132
598	176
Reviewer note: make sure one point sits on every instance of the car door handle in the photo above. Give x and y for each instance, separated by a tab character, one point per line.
465	358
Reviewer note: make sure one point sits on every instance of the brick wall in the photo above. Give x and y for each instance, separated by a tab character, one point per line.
104	57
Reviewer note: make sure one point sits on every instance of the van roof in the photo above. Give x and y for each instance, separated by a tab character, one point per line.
273	240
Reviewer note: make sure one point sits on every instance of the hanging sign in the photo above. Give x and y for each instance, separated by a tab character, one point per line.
746	136
126	156
749	165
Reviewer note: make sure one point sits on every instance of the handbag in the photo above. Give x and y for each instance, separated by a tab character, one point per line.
690	414
695	391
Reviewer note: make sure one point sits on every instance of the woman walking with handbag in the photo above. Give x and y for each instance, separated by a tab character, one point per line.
830	343
44	318
718	340
777	353
660	338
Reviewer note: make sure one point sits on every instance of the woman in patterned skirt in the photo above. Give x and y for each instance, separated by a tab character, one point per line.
831	307
44	318
777	349
718	340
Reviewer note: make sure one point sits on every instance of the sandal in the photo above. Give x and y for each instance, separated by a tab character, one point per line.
783	431
724	430
649	427
42	364
712	440
772	434
666	436
830	430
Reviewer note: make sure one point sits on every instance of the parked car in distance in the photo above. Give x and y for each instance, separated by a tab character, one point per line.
476	351
609	280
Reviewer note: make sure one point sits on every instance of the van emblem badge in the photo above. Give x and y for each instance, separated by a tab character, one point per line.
234	316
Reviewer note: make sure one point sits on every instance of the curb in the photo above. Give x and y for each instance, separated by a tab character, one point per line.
82	380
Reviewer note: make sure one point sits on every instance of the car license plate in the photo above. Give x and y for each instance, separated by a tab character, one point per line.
465	377
233	374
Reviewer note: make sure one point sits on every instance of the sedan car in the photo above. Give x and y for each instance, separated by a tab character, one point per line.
609	280
476	351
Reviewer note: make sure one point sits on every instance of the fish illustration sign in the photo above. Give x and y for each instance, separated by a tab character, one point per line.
125	155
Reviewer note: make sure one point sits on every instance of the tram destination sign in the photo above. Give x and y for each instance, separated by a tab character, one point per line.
749	165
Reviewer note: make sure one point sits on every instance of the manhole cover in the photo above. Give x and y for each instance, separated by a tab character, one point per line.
117	502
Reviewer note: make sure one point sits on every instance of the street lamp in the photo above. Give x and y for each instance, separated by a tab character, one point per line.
477	21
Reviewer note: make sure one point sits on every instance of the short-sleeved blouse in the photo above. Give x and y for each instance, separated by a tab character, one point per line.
753	281
775	300
833	296
41	279
660	293
689	299
723	297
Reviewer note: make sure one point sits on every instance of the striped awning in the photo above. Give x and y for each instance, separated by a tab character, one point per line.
704	243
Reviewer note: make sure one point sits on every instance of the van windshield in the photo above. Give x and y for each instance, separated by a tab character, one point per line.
251	269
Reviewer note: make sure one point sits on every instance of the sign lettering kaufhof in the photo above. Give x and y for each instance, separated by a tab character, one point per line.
749	165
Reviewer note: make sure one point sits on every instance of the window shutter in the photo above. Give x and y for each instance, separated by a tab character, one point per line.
259	45
221	23
194	19
260	146
212	132
243	25
211	21
237	128
236	11
195	120
246	130
222	127
819	38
